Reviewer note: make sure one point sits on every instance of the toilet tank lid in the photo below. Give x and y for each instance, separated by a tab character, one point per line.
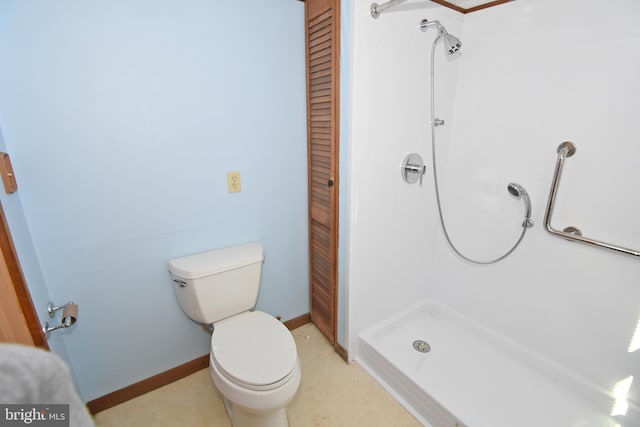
217	261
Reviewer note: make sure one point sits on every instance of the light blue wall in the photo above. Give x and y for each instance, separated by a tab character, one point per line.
122	119
14	212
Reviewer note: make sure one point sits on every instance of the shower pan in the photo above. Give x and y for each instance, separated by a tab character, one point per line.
473	376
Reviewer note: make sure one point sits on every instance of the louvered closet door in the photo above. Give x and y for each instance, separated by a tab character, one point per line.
322	126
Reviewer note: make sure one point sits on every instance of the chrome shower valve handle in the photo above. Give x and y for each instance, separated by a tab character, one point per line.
413	169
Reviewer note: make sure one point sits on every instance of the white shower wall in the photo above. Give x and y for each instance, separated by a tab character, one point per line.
391	224
532	74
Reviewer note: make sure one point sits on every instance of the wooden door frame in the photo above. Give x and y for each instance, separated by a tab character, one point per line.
10	258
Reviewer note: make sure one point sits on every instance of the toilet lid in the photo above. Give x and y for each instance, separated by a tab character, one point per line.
254	349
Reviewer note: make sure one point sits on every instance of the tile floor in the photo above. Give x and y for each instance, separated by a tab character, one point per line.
332	393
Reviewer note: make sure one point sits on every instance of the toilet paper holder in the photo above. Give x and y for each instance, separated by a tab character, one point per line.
69	317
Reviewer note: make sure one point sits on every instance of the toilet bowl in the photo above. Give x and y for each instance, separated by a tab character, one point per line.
254	364
253	360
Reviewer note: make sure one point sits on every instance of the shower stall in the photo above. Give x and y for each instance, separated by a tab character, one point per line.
508	97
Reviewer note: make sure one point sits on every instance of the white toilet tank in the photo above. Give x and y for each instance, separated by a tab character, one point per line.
214	285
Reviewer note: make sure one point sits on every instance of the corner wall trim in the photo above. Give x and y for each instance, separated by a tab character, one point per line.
141	387
296	322
342	352
163	378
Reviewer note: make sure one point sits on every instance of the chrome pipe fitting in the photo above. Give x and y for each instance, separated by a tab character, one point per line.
376	9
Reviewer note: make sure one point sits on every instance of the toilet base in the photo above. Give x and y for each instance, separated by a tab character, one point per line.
242	418
251	408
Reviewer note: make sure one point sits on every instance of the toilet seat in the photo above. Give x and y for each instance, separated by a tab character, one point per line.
254	350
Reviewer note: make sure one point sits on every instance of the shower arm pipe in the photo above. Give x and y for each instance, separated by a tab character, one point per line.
376	9
567	149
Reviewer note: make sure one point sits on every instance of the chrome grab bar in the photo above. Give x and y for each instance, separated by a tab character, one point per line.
567	149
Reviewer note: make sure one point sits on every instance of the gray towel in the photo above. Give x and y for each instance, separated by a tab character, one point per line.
32	376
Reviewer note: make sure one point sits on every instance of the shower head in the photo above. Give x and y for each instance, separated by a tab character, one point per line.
516	190
451	43
519	192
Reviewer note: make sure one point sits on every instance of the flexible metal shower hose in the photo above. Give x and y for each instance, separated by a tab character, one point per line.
435	176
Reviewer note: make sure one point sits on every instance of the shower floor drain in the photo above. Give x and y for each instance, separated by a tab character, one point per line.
421	346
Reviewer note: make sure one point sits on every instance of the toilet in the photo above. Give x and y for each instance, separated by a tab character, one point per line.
253	360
